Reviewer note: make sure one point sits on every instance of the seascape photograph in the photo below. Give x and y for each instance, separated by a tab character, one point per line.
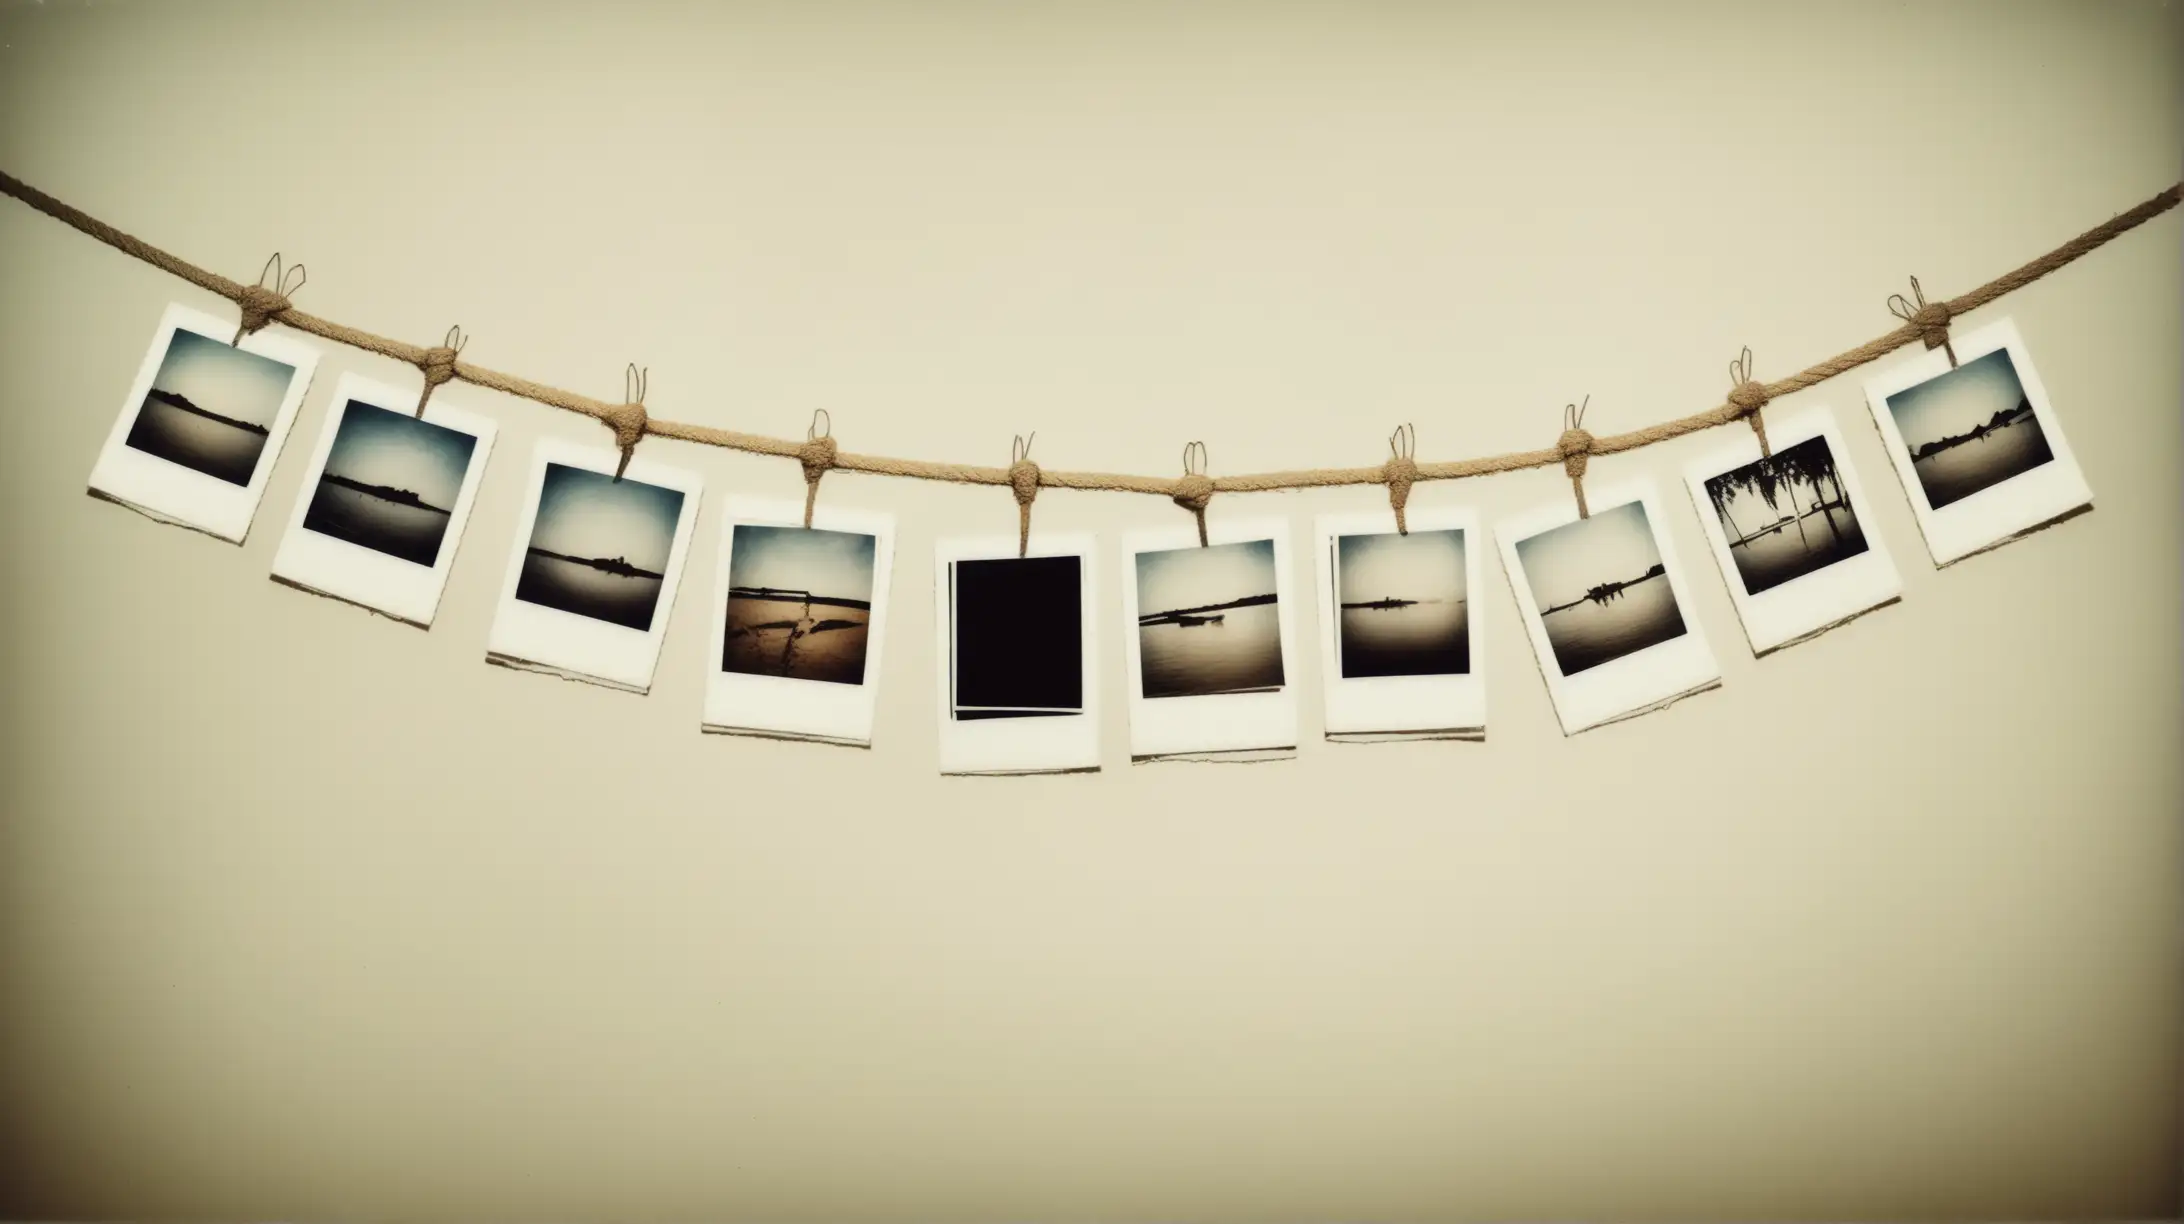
1017	639
1402	608
1969	429
799	603
1208	621
211	407
390	483
1786	516
599	547
1601	588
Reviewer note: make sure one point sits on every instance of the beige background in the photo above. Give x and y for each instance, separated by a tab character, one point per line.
306	914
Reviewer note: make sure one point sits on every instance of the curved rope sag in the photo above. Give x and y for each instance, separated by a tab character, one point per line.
261	304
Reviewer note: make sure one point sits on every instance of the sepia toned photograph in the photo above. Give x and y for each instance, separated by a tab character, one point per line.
1601	588
1017	643
1207	620
1789	531
1786	515
799	603
1402	604
211	407
390	483
1969	429
599	546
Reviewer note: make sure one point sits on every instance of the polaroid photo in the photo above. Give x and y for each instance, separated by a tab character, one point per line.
597	560
1019	670
1789	531
1606	604
1211	654
385	500
799	614
1398	618
1980	452
203	424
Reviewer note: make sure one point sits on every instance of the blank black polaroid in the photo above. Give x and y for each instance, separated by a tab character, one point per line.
1977	445
597	562
385	500
1210	644
1790	531
1399	625
799	617
203	423
1016	650
1606	605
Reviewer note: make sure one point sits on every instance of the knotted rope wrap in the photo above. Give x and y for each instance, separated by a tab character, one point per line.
1748	396
1024	482
1400	472
1931	318
438	364
1576	448
817	455
1193	490
627	419
262	303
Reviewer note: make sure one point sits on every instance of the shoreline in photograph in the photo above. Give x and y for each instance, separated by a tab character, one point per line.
1402	604
799	603
1969	428
1216	624
1819	528
1591	618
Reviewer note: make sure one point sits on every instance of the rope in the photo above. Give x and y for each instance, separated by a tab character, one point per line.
1927	322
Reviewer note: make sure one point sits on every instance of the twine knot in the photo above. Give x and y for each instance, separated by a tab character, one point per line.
1400	472
1194	492
817	455
1749	396
1576	448
628	423
437	365
1932	320
1024	480
260	306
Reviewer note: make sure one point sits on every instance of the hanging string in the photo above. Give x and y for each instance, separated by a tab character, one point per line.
1194	489
817	454
1927	321
1024	480
262	303
627	419
438	364
1575	446
1931	318
1748	397
1401	471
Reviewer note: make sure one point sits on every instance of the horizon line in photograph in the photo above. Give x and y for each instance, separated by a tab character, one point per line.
1601	587
1402	604
211	407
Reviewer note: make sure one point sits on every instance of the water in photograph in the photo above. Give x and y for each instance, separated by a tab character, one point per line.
1958	471
220	448
411	532
1428	638
1241	651
1591	632
587	590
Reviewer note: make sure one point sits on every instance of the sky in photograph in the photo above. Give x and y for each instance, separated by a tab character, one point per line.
398	451
1421	565
592	515
1564	562
1195	577
218	378
1950	404
825	563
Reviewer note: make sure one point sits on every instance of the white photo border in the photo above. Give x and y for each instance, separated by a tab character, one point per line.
739	703
2000	512
1804	606
533	635
1642	680
352	573
1380	705
1220	723
1054	743
176	494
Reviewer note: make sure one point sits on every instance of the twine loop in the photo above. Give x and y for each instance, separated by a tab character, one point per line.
1748	395
1193	490
264	302
627	419
1400	472
817	455
1575	446
438	364
1024	482
1931	318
